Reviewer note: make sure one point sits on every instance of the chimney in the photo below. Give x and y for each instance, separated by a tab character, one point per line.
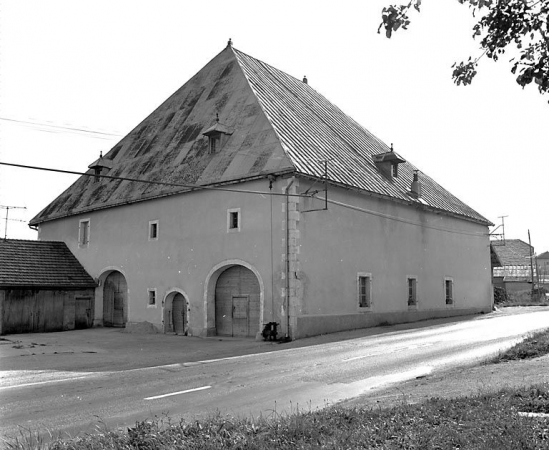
416	185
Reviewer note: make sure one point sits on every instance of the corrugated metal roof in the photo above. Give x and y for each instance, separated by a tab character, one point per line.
279	124
40	264
312	129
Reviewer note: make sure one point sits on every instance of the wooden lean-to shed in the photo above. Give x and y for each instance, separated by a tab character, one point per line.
43	288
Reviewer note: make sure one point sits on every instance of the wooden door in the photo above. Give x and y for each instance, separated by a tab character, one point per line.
237	302
82	313
178	314
114	300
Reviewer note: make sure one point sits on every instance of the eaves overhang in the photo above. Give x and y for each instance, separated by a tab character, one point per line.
184	190
411	202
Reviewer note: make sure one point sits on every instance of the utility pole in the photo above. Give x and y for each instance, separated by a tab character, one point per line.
7	208
531	265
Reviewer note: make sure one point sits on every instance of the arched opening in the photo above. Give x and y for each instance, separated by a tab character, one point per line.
179	313
115	300
237	302
176	313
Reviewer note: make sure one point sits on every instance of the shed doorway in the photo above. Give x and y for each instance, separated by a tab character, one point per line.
115	294
179	306
237	303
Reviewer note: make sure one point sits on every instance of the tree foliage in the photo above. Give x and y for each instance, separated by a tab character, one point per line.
503	24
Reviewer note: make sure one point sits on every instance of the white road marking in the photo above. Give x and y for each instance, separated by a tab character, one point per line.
42	382
398	349
177	393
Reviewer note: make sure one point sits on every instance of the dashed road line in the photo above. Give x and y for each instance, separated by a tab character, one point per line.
177	393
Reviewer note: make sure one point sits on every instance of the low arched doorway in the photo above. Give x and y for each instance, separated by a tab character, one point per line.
115	294
237	302
179	314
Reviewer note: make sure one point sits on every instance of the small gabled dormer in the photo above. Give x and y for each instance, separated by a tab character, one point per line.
100	166
217	135
388	162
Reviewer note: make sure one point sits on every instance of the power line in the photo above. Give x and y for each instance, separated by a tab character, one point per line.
192	187
42	124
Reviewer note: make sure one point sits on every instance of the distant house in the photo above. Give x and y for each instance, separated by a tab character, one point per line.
515	271
43	287
260	201
543	267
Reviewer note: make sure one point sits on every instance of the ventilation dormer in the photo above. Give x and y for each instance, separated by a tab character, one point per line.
100	166
388	162
217	135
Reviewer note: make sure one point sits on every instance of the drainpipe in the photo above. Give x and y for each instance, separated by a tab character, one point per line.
288	257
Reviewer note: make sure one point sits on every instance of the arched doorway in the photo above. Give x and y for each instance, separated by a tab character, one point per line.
179	316
115	293
237	302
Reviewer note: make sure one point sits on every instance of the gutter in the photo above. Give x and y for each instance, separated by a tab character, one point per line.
286	191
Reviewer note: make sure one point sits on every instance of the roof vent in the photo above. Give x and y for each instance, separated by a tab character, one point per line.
305	80
415	189
100	166
230	43
388	162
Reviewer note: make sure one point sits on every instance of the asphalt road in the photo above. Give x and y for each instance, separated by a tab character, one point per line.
301	378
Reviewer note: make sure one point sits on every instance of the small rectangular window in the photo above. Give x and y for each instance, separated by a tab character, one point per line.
233	220
214	143
152	297
449	291
364	291
412	291
153	230
84	233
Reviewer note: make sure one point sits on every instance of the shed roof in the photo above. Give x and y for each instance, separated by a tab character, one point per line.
51	264
279	125
512	252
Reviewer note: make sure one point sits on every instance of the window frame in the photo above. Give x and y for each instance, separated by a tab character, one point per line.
153	296
214	143
84	237
449	280
153	224
230	214
413	278
367	293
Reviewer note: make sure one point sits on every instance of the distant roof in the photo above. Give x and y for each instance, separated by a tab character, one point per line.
544	255
512	252
278	124
40	264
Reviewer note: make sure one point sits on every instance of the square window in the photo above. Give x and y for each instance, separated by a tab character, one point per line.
412	291
449	291
233	220
152	297
153	230
364	291
84	233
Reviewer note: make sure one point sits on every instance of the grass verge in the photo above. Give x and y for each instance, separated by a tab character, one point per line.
535	345
485	421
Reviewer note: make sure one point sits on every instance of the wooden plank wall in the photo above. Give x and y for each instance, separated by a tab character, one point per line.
38	311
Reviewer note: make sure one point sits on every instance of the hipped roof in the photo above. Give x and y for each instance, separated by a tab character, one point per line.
279	124
46	264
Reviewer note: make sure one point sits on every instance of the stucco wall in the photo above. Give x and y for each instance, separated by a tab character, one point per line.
192	241
337	244
327	251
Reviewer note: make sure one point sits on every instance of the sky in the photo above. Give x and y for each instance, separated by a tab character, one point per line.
76	76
